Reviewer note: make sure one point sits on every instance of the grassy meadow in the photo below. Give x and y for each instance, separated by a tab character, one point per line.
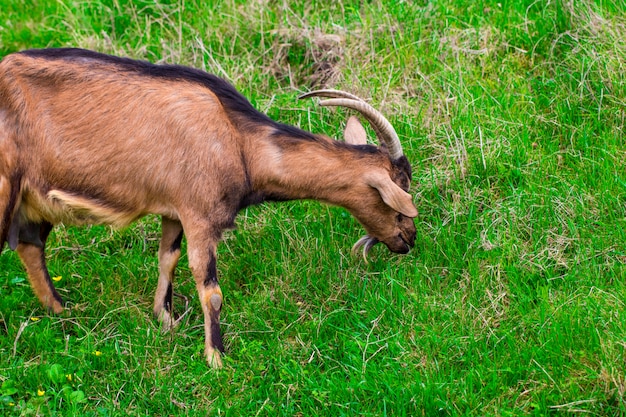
512	302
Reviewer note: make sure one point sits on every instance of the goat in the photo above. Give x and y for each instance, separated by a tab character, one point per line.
90	138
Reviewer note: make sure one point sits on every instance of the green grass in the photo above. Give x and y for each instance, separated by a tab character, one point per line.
513	299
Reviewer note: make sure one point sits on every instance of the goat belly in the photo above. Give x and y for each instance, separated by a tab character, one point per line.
61	207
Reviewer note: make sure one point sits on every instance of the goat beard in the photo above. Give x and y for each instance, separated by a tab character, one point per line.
367	242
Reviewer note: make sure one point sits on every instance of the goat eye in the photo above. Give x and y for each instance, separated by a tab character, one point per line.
399	217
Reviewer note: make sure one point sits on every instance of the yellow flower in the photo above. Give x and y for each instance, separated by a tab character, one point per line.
57	279
69	377
40	392
11	404
97	353
35	319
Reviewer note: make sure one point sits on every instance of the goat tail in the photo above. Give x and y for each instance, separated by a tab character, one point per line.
9	192
10	180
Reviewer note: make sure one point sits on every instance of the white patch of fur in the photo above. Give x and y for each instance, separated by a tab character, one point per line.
61	207
79	210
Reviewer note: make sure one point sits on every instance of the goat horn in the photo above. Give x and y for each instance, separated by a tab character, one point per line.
384	130
330	94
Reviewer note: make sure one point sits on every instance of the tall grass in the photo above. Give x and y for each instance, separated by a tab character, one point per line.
513	300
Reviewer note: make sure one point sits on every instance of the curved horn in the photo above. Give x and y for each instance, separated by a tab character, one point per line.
384	130
330	94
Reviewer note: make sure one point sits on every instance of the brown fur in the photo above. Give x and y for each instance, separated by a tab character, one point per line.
87	138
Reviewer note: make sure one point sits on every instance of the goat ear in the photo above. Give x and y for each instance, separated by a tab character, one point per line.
355	134
394	196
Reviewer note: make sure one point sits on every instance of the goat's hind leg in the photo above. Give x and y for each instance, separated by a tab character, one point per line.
30	248
169	254
6	208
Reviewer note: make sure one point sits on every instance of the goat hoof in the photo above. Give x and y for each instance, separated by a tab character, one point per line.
57	308
167	320
214	359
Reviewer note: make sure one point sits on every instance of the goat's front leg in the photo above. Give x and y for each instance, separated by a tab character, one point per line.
169	254
203	263
30	248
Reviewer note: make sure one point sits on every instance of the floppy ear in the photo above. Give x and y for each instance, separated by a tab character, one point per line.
355	134
394	196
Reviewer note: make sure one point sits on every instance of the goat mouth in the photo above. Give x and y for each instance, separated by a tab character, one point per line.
405	249
403	244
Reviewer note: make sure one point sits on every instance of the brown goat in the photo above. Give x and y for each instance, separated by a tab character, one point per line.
92	138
